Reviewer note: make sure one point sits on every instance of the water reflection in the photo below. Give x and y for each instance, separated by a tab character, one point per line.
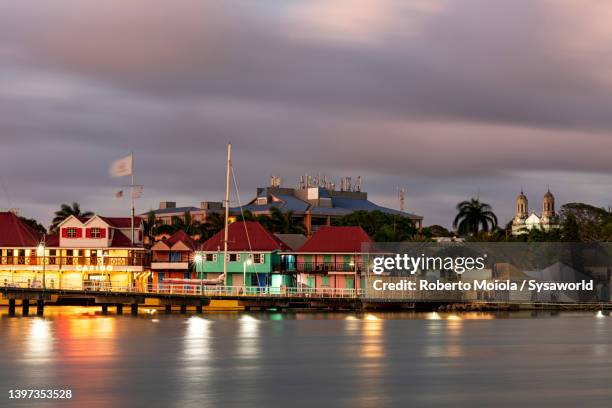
312	359
196	343
248	337
39	342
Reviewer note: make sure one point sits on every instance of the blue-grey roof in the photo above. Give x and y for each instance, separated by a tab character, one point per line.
286	203
349	205
255	207
292	203
323	193
173	210
340	206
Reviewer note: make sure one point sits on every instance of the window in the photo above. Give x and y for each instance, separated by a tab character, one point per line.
175	256
211	258
71	232
325	282
259	258
95	233
233	257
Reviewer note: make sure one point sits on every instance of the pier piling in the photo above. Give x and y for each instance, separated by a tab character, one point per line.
119	308
25	307
168	308
11	307
104	309
199	309
40	307
183	309
134	309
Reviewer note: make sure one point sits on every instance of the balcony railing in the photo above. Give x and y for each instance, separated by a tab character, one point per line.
186	289
76	260
320	267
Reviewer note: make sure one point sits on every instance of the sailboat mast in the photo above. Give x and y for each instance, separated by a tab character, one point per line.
132	197
227	203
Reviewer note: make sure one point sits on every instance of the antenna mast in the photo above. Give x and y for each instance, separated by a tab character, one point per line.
402	198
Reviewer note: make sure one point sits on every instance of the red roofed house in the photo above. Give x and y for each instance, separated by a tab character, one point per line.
172	258
331	258
253	253
98	252
18	251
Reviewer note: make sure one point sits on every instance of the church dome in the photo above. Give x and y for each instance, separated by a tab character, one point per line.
548	205
522	206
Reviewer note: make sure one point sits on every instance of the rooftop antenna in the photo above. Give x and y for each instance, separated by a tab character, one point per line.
358	183
402	198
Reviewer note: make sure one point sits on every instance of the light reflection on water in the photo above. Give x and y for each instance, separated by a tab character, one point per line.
306	359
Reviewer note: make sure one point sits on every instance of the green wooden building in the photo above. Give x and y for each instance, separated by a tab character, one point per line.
253	254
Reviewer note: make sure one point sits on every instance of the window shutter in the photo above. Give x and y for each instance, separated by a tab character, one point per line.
87	232
102	232
64	232
79	233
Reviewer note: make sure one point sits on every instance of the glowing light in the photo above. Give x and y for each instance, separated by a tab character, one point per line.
433	316
197	258
371	317
599	314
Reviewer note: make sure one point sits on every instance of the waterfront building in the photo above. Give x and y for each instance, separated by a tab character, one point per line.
317	203
253	254
172	258
168	210
523	221
89	253
331	258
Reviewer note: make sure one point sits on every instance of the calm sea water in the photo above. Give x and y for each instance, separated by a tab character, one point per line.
309	360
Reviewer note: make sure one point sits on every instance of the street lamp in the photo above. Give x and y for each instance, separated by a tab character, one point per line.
40	252
248	262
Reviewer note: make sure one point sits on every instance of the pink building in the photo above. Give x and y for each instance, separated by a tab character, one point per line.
331	258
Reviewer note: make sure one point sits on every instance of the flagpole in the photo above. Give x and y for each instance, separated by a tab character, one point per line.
132	196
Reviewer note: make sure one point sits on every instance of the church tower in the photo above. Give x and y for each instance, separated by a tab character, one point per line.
548	205
520	214
549	216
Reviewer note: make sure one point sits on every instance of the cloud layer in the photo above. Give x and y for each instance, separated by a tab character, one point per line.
447	99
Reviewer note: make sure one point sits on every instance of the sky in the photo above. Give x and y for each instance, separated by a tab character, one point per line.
449	99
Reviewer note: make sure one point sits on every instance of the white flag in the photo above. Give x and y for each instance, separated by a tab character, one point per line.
137	191
121	167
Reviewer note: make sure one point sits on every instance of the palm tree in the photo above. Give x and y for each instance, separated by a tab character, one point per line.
474	216
215	222
66	211
283	223
150	226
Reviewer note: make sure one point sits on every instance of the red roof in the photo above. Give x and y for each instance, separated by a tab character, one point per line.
121	222
120	240
16	233
337	240
181	236
52	240
260	238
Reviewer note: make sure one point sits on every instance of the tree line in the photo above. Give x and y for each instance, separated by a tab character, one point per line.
475	221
